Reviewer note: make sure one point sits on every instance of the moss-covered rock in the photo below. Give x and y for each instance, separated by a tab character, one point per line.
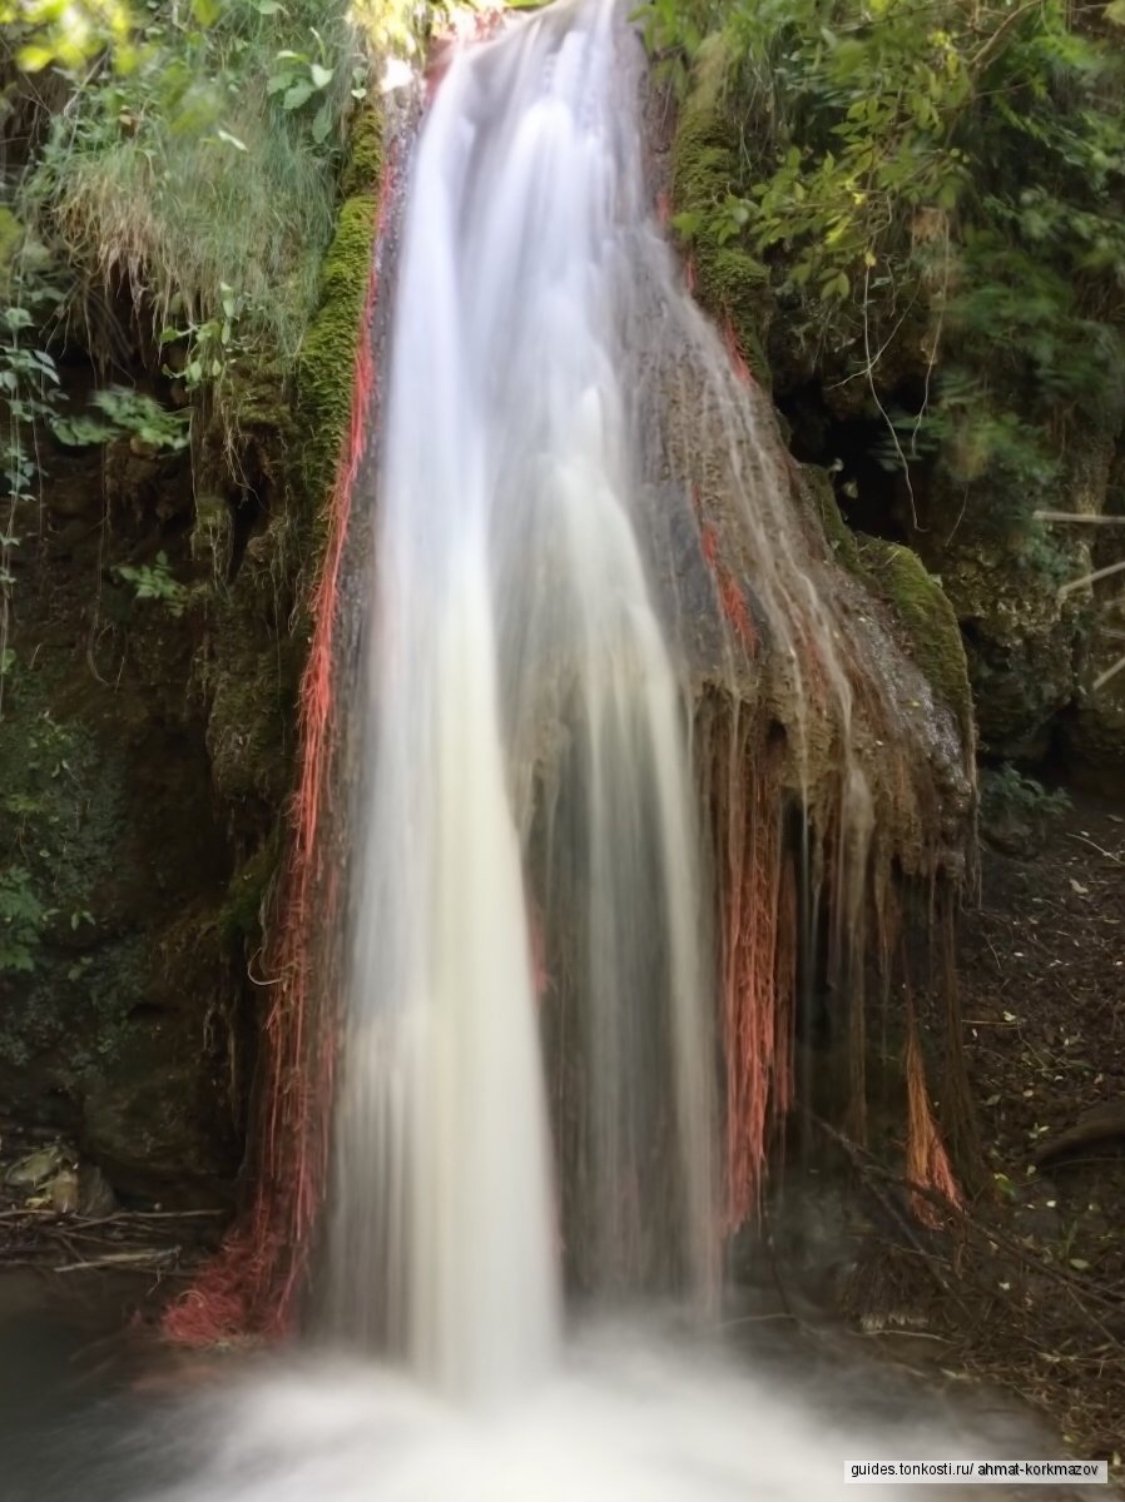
146	753
240	919
364	167
927	619
324	375
1021	638
250	682
107	1020
841	539
729	282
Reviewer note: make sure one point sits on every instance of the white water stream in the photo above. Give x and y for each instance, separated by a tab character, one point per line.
515	632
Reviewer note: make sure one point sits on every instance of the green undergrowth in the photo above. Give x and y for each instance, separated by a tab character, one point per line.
731	282
201	181
929	198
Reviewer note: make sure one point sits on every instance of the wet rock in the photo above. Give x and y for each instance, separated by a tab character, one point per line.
95	1193
926	619
1016	812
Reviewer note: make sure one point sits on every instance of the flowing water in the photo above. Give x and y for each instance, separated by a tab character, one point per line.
518	660
527	1112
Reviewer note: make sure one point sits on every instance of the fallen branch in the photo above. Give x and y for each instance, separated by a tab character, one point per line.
1089	579
1099	1123
1089	519
1109	855
146	1256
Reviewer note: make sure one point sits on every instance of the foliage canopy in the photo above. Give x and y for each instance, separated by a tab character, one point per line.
937	190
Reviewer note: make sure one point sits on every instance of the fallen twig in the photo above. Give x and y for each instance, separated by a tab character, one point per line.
144	1256
1085	839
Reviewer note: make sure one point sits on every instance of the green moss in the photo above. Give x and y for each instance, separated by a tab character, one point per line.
730	283
324	377
252	684
240	919
841	539
365	153
324	373
260	622
927	618
898	576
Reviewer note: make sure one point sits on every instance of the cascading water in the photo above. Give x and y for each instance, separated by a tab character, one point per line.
517	657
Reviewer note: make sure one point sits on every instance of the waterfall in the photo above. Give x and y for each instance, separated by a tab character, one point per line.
529	763
627	738
566	874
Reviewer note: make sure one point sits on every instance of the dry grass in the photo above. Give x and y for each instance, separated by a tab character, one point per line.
188	186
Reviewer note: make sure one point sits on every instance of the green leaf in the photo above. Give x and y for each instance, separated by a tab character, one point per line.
35	57
299	94
322	124
1115	12
321	76
225	135
206	12
77	432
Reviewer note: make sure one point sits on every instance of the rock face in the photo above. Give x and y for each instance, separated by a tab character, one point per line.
1033	644
1022	644
146	750
119	999
772	531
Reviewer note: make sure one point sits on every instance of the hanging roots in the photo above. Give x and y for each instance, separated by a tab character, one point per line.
254	1282
927	1163
758	956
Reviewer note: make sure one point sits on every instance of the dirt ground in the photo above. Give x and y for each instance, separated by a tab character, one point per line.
1042	966
1026	1289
